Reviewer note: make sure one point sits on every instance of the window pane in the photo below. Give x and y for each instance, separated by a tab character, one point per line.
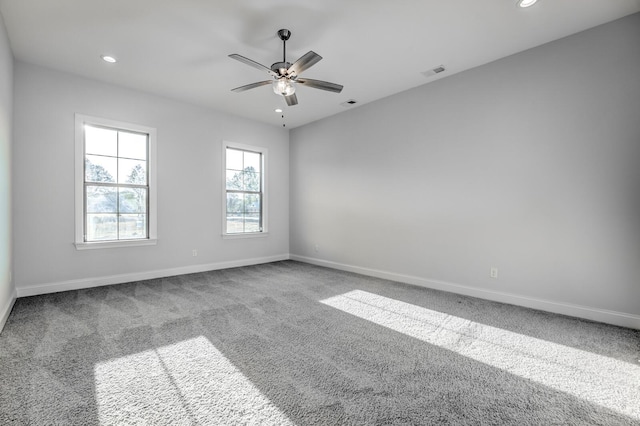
235	224
100	169
133	200
252	203
100	141
101	199
252	222
132	171
234	180
101	227
253	160
235	204
235	213
251	180
132	226
234	159
132	145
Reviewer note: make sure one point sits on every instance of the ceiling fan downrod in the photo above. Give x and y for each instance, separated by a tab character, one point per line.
284	35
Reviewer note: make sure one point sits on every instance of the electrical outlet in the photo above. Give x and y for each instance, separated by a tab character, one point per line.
194	252
494	272
316	248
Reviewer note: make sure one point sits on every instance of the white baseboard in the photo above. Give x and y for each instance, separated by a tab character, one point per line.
6	310
595	314
34	290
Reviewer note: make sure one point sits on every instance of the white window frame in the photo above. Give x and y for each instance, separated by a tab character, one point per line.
265	194
80	121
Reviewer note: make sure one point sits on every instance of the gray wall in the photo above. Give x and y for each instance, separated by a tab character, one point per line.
189	184
530	164
7	292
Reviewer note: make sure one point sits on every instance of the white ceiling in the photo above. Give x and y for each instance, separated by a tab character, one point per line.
375	48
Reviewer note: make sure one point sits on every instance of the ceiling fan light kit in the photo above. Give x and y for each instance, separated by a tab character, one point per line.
286	75
284	86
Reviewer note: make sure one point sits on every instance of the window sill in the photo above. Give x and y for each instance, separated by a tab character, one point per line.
115	244
242	236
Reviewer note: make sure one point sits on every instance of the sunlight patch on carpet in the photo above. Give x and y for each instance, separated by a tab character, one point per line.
184	383
598	379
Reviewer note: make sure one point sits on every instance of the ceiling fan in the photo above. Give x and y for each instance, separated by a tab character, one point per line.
286	75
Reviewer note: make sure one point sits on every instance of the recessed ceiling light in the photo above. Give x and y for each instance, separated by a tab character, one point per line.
278	110
109	59
526	3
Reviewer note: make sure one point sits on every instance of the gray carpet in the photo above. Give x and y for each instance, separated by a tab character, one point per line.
290	343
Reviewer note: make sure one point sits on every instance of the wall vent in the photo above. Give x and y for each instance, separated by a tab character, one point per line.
434	71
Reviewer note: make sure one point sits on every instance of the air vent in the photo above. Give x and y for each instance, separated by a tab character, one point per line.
349	103
434	71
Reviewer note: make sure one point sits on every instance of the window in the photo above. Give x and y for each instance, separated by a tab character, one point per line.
244	193
115	183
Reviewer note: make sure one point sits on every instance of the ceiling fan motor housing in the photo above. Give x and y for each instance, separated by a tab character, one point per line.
280	67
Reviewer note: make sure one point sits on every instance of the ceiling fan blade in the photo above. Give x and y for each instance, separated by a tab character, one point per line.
251	86
306	61
253	63
291	100
319	84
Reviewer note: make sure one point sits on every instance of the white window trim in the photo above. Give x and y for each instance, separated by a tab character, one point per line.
80	121
265	198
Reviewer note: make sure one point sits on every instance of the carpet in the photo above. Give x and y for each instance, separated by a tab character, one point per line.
289	343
